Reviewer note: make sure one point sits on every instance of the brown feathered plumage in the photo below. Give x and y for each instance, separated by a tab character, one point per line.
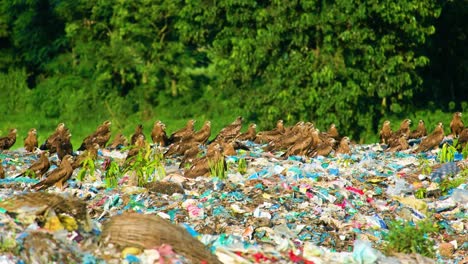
301	146
100	136
39	167
404	128
462	139
344	148
183	132
8	141
323	149
30	142
119	141
57	177
203	134
399	145
63	146
385	132
201	166
333	132
2	170
433	140
456	125
271	135
48	144
419	132
250	134
231	131
137	147
138	132
190	154
158	134
90	153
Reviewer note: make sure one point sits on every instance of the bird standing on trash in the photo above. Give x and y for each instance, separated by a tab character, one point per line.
136	135
385	132
57	177
48	144
433	140
251	133
30	142
62	145
2	170
230	131
202	135
119	141
39	167
323	149
398	145
203	166
419	132
182	133
7	142
344	148
456	125
101	136
158	134
90	153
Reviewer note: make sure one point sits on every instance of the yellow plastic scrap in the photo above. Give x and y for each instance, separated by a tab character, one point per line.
412	202
68	222
53	222
130	250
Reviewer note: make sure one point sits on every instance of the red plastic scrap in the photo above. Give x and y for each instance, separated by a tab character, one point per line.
354	190
296	258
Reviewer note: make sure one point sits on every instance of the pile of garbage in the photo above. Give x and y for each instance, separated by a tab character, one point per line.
267	209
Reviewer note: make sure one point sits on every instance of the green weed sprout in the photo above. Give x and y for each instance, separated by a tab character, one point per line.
424	165
218	168
112	175
242	166
88	165
447	153
148	165
447	184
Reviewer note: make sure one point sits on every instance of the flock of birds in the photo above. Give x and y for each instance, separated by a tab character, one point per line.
197	153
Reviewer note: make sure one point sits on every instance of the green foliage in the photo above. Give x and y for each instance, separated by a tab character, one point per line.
88	167
8	243
218	169
447	153
112	175
421	193
448	183
148	165
242	166
408	238
424	165
465	151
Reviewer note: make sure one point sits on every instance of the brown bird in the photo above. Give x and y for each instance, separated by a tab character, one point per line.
48	144
323	149
138	132
419	132
231	131
271	135
251	133
399	145
203	134
90	153
202	166
344	148
38	168
433	140
385	132
301	146
2	170
63	145
333	132
7	142
179	148
30	142
101	136
183	132
136	148
57	177
404	128
158	134
119	141
456	125
462	139
190	154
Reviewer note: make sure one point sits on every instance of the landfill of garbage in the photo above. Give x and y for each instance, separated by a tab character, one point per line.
266	209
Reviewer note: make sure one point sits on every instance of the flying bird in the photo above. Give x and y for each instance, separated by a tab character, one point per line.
230	131
419	132
456	125
138	132
7	142
344	148
385	132
183	132
57	177
39	167
30	142
433	140
251	133
158	134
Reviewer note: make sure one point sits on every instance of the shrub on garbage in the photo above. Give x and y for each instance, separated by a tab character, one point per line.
112	175
88	167
446	153
450	183
242	166
218	169
407	237
148	165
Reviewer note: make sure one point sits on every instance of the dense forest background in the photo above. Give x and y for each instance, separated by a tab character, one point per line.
351	62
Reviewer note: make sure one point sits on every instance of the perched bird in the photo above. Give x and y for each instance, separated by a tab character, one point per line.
333	132
138	132
231	131
183	132
271	135
39	167
136	148
48	144
385	132
251	133
7	142
101	136
419	132
90	153
301	146
433	140
57	177
202	166
399	145
119	141
404	128
190	154
30	142
63	145
456	125
158	134
203	134
179	148
344	148
462	139
2	170
323	149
